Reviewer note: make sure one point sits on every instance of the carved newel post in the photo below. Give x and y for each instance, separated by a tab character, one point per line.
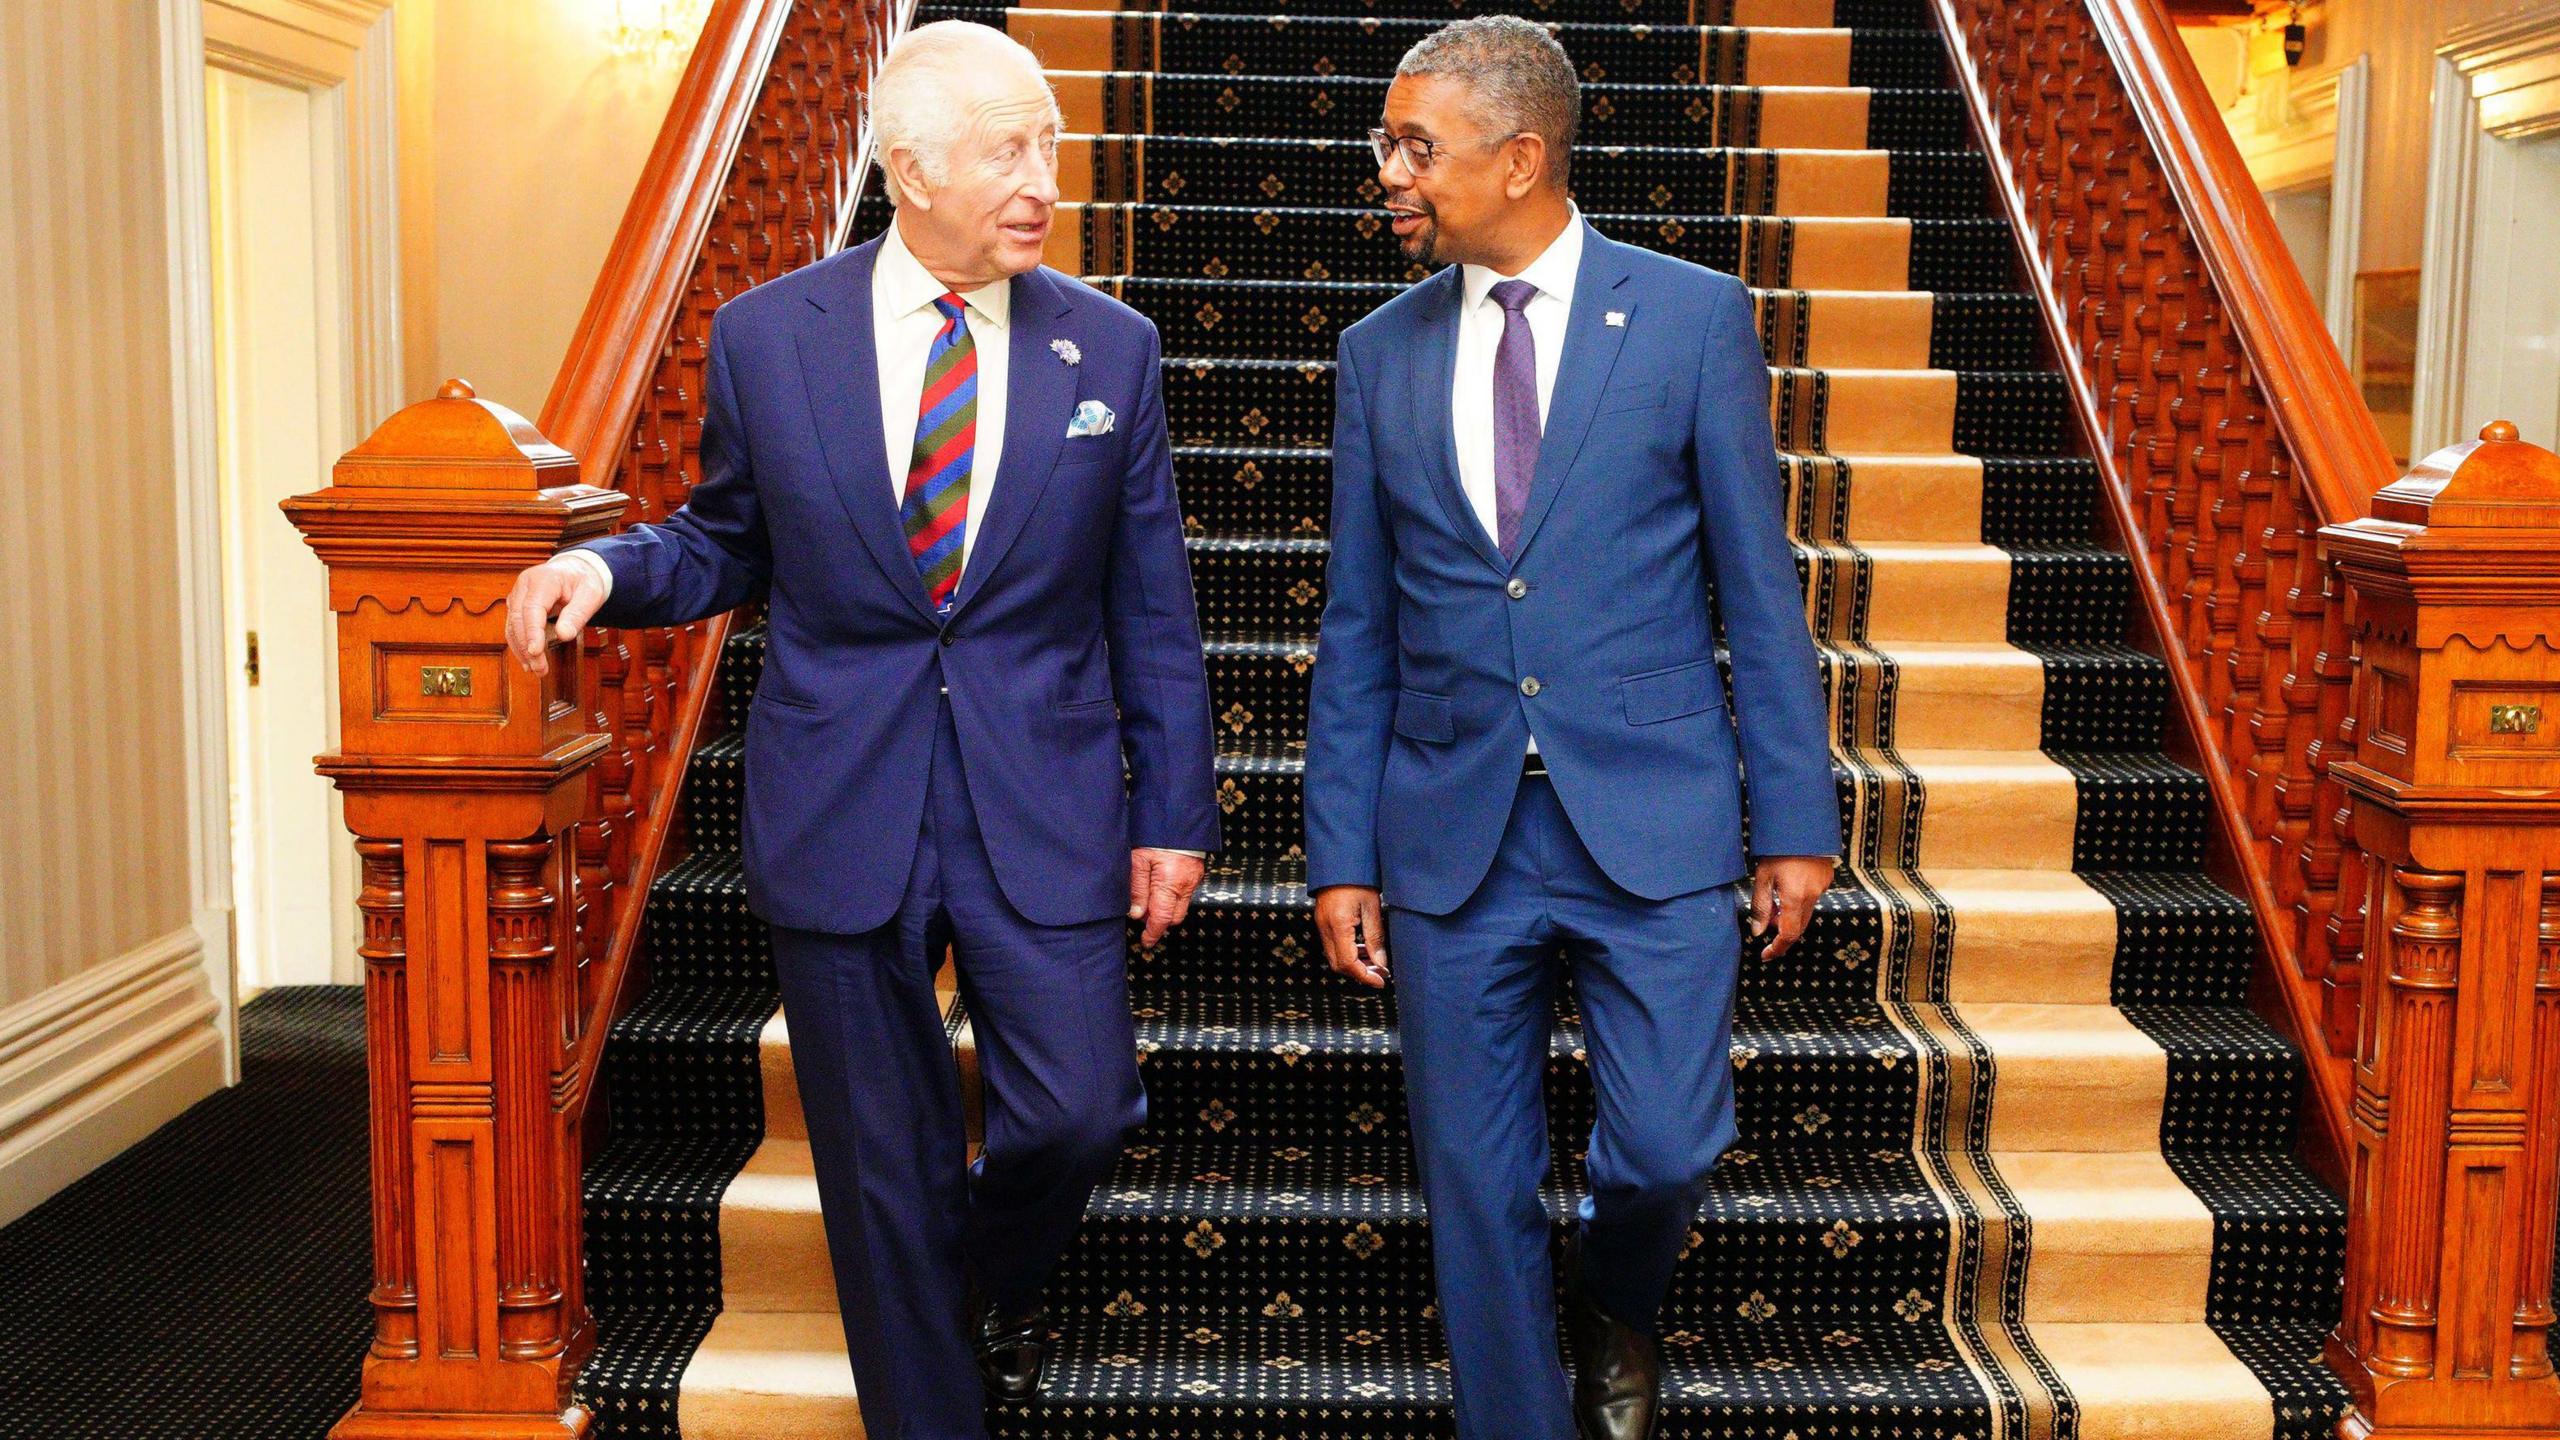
464	783
2453	603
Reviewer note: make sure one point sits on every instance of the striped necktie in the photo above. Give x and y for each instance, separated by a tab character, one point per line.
936	503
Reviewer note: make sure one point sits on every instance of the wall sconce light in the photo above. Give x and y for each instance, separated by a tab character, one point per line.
653	30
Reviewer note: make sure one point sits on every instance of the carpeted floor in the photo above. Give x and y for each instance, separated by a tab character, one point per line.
210	1282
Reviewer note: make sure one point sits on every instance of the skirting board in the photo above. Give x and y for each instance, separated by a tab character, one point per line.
101	1060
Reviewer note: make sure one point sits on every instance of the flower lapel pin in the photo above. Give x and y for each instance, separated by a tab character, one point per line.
1066	350
1616	318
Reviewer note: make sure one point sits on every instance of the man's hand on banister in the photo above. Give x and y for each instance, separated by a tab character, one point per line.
560	586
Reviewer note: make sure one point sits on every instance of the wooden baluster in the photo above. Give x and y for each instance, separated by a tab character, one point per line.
2333	935
2266	720
2455	790
2293	801
463	773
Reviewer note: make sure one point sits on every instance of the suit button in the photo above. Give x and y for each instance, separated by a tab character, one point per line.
948	637
1517	588
1529	686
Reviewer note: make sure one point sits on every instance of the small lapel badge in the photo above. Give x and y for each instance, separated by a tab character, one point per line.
1092	417
1617	318
1066	350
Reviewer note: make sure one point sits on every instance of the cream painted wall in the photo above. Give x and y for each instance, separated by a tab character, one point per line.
93	834
108	1019
522	135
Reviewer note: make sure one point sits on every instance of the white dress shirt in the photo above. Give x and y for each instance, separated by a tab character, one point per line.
1480	321
903	324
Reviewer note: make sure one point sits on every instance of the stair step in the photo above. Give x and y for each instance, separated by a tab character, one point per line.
1625	53
1657	180
1843	330
1336	241
1990	695
1915	590
1335	107
768	1376
2016	935
776	1378
2018	504
1211	1231
1986	809
1320	1064
1288	404
1799	14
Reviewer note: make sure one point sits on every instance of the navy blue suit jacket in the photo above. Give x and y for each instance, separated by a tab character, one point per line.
1072	644
1656	501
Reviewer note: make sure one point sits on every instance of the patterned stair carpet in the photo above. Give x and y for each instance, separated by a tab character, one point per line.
2016	1157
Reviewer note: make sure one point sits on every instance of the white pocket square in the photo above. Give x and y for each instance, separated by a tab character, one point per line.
1092	417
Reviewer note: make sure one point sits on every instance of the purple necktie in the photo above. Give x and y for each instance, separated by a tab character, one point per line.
1516	429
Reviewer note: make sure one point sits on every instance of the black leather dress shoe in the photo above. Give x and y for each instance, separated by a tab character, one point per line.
1617	1386
1012	1349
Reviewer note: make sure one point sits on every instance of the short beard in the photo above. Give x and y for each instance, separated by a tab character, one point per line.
1423	245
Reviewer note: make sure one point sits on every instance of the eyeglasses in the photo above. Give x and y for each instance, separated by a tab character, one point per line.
1418	152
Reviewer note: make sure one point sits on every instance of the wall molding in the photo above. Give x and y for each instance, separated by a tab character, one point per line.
2347	91
97	1062
2495	83
2314	132
202	657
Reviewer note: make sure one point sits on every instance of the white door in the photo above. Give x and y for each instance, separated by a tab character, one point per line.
280	384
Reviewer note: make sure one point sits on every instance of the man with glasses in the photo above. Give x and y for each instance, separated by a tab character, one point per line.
1553	468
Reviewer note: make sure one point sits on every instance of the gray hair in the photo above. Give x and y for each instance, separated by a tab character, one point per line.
910	99
1517	78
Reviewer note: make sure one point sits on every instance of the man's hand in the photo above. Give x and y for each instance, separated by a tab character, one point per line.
1787	884
558	585
1160	886
1354	929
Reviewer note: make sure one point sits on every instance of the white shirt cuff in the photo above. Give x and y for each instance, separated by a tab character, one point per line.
593	564
1171	850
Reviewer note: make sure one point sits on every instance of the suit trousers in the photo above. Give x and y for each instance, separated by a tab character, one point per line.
911	1222
1475	1011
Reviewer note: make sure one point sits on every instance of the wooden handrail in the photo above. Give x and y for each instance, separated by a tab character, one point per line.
510	825
2226	431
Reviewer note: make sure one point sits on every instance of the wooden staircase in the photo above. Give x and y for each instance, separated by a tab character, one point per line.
2032	1119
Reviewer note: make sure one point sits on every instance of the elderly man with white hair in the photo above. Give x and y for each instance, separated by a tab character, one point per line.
983	721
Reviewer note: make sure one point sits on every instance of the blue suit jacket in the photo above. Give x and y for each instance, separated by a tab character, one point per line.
1076	595
1656	499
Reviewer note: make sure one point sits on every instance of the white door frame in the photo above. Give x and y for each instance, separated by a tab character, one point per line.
2495	85
339	45
2315	135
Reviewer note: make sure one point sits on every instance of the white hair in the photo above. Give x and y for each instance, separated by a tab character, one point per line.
910	99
